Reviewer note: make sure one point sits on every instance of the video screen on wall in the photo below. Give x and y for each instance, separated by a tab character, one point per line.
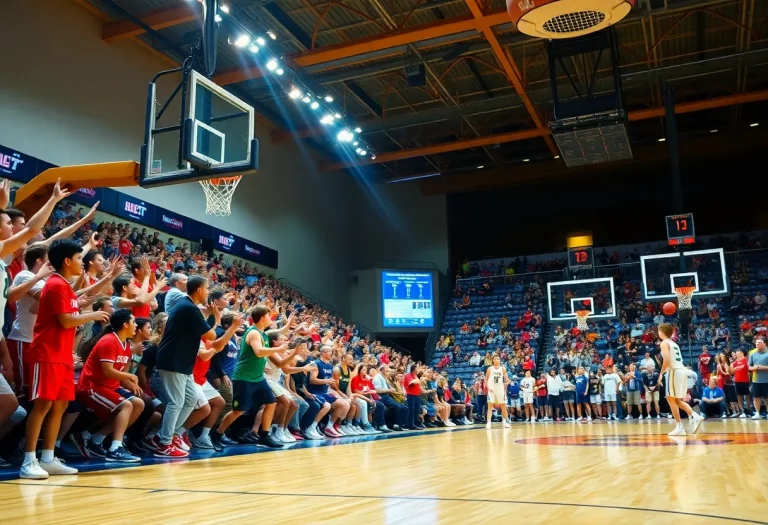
407	299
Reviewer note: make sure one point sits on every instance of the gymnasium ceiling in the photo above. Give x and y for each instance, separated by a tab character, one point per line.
487	99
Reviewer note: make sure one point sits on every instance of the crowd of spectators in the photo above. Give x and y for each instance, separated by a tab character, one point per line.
173	349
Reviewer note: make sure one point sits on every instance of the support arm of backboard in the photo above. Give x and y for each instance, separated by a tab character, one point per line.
31	197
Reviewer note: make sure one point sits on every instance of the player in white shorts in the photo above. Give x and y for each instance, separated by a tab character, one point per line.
497	380
676	381
286	406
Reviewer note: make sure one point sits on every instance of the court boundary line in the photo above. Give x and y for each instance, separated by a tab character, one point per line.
390	498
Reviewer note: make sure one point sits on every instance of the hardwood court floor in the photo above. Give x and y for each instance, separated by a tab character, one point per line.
567	473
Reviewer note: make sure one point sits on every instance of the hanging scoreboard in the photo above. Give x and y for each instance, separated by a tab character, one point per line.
580	258
680	229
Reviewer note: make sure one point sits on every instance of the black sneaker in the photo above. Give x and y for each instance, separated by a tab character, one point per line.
95	450
122	456
5	464
226	441
440	423
251	438
419	427
269	441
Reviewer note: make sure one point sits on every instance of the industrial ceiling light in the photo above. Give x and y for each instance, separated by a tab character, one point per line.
272	64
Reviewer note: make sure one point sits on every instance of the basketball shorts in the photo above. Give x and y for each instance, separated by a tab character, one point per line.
582	398
596	399
528	398
18	349
247	395
676	382
205	393
514	402
278	389
651	396
742	389
569	396
51	382
497	396
103	401
730	393
610	398
324	398
542	401
760	390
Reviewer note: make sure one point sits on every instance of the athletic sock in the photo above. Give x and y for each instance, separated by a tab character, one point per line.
85	435
46	456
98	438
58	443
29	457
205	432
115	445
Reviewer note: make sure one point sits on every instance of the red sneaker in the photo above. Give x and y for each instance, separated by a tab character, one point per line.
179	443
167	451
297	435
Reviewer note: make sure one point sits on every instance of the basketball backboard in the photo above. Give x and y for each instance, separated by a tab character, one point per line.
703	269
199	131
565	298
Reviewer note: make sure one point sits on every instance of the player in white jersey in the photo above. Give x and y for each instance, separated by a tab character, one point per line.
497	380
676	381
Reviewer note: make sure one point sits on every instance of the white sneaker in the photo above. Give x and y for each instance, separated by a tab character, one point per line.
756	416
628	417
678	431
57	468
32	470
589	418
640	418
658	417
696	422
316	434
742	416
286	436
507	425
723	416
488	425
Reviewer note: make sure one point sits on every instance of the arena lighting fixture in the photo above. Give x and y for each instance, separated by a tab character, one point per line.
272	35
272	64
328	98
242	41
526	160
261	41
373	157
253	48
224	8
344	136
557	156
713	131
306	99
295	93
754	124
355	143
217	18
314	105
358	130
337	115
280	71
662	139
327	119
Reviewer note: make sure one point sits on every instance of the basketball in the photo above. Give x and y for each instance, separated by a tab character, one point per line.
669	308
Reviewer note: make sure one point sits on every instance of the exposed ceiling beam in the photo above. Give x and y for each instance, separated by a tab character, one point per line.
706	147
160	19
512	73
390	43
643	114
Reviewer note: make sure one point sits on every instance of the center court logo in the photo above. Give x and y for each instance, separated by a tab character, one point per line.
653	440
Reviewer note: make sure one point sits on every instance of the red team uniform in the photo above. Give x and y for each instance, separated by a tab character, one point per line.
96	391
52	374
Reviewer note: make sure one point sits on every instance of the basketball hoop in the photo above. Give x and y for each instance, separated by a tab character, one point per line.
581	319
218	194
684	294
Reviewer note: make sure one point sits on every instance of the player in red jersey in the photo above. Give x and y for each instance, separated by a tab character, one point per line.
100	388
52	380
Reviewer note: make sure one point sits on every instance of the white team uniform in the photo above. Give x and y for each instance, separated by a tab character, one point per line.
676	377
497	390
5	282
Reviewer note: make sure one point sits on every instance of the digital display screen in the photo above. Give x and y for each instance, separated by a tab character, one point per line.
580	258
407	299
680	229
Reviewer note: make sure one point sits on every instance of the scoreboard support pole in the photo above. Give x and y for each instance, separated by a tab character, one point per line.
674	150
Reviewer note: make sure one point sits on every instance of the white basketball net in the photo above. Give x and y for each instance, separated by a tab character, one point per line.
218	194
684	294
581	319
